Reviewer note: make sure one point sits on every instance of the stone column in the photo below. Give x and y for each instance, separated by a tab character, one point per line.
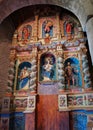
36	28
89	31
11	72
61	73
85	67
58	26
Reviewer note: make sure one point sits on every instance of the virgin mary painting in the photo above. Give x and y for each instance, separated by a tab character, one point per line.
47	67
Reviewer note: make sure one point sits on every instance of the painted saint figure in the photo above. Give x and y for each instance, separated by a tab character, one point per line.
24	78
48	26
47	69
69	74
68	28
26	32
47	29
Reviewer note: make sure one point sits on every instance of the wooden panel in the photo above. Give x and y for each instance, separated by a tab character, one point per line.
48	117
30	121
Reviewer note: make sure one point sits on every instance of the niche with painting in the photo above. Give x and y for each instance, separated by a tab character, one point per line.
73	78
47	67
23	78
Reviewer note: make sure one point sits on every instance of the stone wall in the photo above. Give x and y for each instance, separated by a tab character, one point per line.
6	32
80	8
4	65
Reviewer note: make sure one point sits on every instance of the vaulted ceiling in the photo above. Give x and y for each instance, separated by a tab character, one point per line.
83	9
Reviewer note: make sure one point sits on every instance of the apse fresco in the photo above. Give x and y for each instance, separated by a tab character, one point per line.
47	67
72	73
24	71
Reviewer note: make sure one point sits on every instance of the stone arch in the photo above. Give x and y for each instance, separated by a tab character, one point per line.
75	7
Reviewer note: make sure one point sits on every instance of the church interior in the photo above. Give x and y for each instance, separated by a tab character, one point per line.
46	65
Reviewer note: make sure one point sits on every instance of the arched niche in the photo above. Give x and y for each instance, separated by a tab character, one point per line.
47	67
23	75
73	77
76	8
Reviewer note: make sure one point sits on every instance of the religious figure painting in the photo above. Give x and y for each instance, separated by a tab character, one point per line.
68	27
47	28
72	73
25	33
47	67
24	71
71	27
